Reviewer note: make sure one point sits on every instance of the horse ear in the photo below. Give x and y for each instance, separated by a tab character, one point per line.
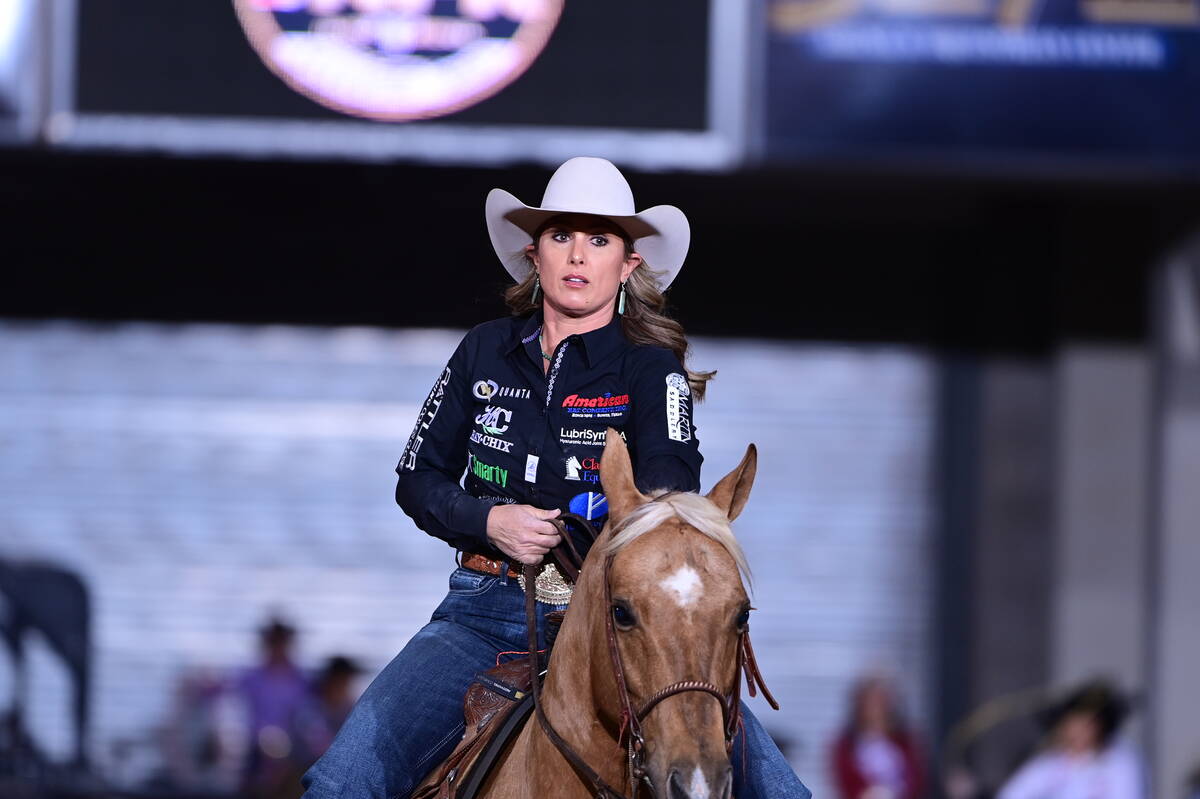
616	478
731	493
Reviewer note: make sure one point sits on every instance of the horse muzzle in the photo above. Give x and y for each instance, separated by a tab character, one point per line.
696	781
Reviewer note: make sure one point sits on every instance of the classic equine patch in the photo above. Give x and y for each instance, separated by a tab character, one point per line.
586	470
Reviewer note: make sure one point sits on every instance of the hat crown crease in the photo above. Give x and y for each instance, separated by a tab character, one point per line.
591	186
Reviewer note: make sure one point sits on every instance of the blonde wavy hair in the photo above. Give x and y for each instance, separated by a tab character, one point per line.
645	321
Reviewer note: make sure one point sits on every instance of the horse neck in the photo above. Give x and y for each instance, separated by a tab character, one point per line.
579	696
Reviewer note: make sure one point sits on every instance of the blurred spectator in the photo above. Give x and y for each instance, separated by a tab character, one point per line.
202	741
333	697
276	692
262	728
1083	759
877	756
1193	785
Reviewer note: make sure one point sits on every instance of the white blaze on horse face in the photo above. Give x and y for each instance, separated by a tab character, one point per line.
699	787
684	585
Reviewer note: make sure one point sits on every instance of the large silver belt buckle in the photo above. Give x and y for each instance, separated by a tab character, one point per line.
549	586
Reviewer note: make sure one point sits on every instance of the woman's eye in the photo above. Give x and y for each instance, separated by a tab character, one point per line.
622	616
743	619
599	241
560	236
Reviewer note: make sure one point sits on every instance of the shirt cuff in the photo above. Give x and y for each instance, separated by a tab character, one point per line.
471	515
667	471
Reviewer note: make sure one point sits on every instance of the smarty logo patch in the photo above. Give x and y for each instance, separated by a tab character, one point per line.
395	60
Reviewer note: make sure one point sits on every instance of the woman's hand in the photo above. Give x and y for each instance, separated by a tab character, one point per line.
522	532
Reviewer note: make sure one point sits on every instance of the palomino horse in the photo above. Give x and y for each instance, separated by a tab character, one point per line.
678	612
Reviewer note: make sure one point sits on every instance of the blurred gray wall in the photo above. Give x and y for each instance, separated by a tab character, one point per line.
1087	535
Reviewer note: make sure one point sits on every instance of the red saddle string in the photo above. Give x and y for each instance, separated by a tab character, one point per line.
515	652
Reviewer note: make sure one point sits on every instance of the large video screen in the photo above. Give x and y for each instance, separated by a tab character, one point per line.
1063	82
469	80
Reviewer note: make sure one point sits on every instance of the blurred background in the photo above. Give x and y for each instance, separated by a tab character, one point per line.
945	259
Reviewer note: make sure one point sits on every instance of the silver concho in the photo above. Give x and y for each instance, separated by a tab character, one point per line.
549	586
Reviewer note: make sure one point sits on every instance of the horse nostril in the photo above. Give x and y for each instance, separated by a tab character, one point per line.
675	786
727	792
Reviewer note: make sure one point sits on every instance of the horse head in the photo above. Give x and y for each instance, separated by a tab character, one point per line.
678	608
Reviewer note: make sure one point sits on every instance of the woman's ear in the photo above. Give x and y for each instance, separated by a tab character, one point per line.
531	254
632	262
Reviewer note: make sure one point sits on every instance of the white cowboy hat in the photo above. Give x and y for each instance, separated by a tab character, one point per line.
588	186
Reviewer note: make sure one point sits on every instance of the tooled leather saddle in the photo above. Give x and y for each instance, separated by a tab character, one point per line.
500	700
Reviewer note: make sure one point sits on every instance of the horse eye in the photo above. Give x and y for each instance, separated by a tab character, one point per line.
743	619
622	616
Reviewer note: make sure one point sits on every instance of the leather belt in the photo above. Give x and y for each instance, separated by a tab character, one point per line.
550	587
481	563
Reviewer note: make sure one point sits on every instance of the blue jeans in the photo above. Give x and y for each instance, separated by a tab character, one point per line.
411	716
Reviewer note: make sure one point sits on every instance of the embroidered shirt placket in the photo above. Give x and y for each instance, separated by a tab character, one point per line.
547	417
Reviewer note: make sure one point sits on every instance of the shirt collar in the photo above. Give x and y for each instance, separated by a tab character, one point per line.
598	344
602	342
527	332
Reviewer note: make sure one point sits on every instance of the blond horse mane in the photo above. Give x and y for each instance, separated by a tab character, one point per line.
697	511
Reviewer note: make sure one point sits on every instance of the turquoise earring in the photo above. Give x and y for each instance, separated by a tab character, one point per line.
537	286
621	300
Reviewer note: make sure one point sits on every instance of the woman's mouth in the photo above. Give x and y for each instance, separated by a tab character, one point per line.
577	281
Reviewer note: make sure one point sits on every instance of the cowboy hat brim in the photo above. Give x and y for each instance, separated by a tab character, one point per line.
661	234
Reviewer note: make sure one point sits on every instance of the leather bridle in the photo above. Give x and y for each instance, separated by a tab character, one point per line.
630	731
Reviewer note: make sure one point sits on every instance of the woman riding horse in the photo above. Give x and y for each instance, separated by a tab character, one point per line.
522	407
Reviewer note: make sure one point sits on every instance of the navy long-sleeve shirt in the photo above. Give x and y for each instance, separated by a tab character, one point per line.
525	436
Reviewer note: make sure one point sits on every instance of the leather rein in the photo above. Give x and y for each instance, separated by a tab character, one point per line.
630	733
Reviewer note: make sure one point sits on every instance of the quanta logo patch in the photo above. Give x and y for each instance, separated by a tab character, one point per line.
488	390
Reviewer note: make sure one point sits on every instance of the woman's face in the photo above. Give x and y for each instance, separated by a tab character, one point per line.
581	262
875	707
1078	733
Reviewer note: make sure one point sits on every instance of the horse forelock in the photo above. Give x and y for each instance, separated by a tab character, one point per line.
694	510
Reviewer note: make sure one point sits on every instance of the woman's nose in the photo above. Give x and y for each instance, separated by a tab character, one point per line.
577	251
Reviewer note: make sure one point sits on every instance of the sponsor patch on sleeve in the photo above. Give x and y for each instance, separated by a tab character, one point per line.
679	423
429	411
